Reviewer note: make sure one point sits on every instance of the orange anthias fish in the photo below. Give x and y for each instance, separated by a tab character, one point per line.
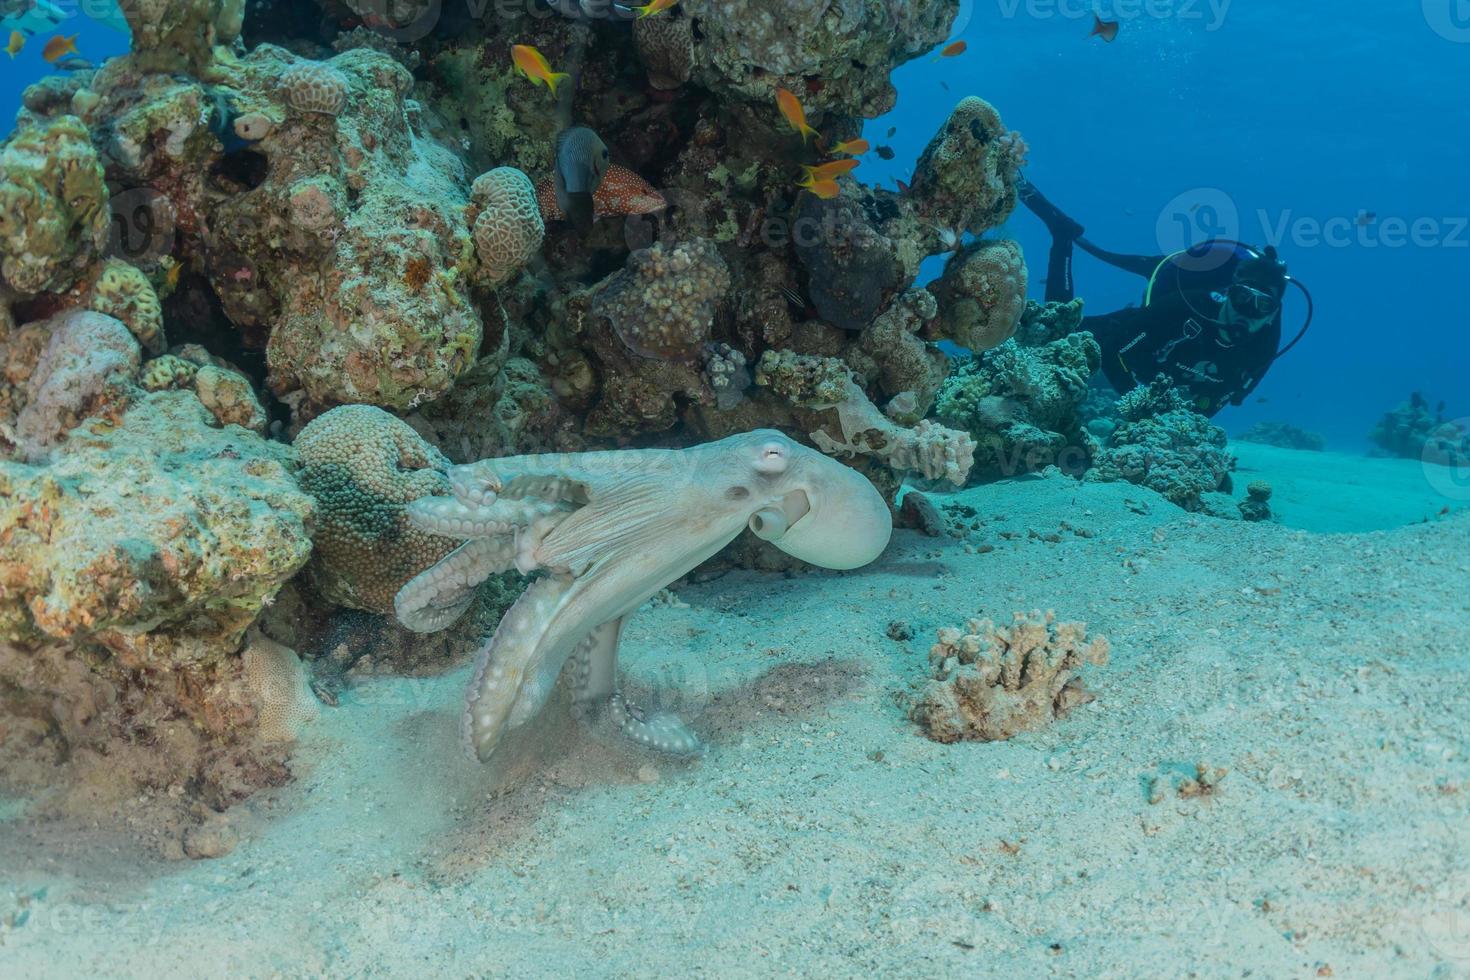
793	113
855	147
658	6
533	65
17	41
828	171
621	193
825	189
1105	29
59	47
953	49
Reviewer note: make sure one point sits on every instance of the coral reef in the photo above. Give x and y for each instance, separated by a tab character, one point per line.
260	223
1284	436
158	534
1414	431
991	683
1163	444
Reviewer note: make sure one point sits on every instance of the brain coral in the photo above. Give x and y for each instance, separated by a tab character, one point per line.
982	294
315	87
966	178
364	467
124	292
666	48
160	535
663	304
53	206
509	229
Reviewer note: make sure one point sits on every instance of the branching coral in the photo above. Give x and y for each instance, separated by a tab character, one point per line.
1164	445
1023	405
992	683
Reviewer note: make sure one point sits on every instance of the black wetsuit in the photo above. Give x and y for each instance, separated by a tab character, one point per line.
1178	333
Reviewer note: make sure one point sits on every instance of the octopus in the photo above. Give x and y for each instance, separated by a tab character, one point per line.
607	530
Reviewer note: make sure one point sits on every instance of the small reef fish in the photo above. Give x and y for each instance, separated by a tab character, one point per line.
17	42
533	65
74	62
1366	218
621	193
825	189
658	6
855	147
828	171
885	152
1105	29
59	47
951	50
793	113
581	161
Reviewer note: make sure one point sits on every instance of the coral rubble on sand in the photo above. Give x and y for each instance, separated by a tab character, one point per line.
991	683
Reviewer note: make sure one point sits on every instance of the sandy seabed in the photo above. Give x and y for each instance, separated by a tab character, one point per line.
1322	662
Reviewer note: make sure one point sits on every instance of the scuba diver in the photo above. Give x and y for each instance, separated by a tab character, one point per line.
1210	320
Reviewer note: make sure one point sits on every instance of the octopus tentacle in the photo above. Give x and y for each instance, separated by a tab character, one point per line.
453	518
592	673
440	594
474	484
513	653
664	731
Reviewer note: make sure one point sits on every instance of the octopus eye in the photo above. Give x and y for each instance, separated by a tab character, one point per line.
737	493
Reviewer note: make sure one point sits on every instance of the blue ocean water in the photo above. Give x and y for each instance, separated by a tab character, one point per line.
1271	123
1264	121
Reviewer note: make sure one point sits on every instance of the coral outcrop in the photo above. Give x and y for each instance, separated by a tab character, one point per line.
54	216
158	535
1283	435
965	179
1414	431
991	683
